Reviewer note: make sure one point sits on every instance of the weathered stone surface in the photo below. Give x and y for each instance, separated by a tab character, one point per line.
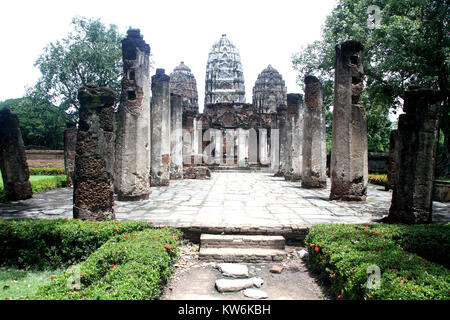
415	155
255	293
295	110
349	160
269	91
233	270
93	190
284	143
242	241
276	269
183	83
224	74
201	173
240	255
13	160
176	137
441	191
232	285
257	282
391	160
303	253
160	129
70	141
132	149
314	149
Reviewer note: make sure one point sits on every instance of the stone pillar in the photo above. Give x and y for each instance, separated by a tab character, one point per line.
263	146
349	155
274	145
218	147
242	136
314	136
295	115
93	189
176	137
391	160
160	129
415	154
283	140
13	160
70	141
132	154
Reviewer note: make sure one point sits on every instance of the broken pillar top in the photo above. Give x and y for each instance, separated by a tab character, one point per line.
311	79
416	97
134	40
350	47
94	96
161	75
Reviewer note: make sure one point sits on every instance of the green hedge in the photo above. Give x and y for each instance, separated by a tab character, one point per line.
47	171
132	266
378	179
47	244
342	255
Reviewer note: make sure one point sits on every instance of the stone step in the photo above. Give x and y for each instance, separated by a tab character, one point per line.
249	255
242	241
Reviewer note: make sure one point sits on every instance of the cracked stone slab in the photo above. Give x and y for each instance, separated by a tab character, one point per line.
255	293
233	270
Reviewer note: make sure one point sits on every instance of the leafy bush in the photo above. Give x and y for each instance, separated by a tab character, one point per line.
378	179
45	244
47	171
343	255
131	266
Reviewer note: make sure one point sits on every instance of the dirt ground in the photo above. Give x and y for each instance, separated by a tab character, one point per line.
195	280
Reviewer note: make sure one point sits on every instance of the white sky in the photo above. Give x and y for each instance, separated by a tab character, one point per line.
264	31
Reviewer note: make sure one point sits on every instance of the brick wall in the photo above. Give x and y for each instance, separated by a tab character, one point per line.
45	158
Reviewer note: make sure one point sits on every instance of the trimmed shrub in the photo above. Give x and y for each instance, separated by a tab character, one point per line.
47	171
132	266
378	179
50	244
344	255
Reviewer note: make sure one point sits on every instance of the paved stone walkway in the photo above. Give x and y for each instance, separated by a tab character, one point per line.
230	201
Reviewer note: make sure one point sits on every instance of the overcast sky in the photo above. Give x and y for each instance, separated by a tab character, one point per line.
264	32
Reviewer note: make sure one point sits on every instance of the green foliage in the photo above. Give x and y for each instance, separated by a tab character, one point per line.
378	179
91	53
50	244
41	123
40	184
131	266
342	255
46	171
411	46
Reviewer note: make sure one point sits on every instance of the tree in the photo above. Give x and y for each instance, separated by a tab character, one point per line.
409	46
92	53
41	123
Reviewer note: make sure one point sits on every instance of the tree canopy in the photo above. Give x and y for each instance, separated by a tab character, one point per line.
41	123
91	53
406	43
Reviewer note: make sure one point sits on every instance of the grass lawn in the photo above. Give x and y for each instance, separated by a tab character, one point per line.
16	284
40	183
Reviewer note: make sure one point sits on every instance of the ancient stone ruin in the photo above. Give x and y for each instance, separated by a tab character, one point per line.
13	161
415	155
132	149
176	136
160	129
183	83
349	155
70	141
293	170
314	136
93	189
269	91
224	74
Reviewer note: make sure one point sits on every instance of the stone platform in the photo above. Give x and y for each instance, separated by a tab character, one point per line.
230	202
